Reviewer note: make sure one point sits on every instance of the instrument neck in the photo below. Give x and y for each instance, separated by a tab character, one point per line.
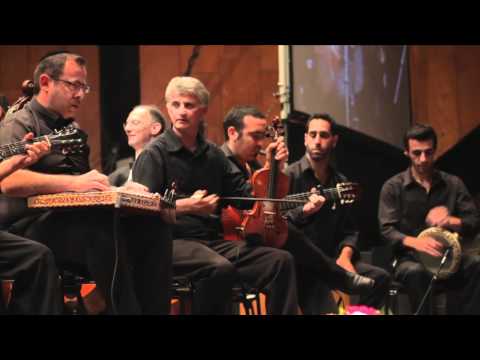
330	194
17	148
272	180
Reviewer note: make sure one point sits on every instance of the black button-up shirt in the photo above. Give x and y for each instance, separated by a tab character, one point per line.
332	227
404	205
237	166
40	121
165	160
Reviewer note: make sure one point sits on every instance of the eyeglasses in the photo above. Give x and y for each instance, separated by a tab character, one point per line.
76	86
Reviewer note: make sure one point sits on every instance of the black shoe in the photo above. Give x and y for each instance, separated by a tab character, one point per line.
358	284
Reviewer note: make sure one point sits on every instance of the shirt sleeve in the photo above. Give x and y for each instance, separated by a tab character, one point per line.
234	184
389	216
13	129
149	170
296	215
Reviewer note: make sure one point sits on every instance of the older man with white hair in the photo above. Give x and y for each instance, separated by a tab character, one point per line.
143	124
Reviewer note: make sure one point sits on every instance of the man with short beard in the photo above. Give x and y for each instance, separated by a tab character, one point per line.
330	229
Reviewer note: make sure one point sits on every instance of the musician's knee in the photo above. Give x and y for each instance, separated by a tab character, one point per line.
223	269
283	258
411	270
41	254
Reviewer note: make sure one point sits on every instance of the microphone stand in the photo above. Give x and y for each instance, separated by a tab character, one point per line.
434	279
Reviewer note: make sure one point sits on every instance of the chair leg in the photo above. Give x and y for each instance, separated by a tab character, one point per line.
393	302
387	304
256	304
248	306
183	306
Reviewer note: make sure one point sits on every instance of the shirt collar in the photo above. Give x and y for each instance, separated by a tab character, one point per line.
53	120
408	179
226	150
305	166
174	144
229	154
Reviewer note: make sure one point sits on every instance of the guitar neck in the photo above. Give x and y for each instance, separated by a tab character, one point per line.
330	194
10	150
19	148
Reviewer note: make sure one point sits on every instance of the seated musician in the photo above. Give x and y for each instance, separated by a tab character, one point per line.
245	128
331	228
423	197
143	124
202	173
83	239
30	264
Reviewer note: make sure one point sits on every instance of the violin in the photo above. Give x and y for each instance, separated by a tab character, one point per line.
232	220
265	220
27	94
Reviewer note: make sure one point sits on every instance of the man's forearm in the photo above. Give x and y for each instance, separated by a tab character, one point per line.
183	206
454	224
24	183
6	169
393	236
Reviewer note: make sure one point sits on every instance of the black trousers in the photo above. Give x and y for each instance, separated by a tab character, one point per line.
376	298
314	265
215	266
462	287
135	269
32	266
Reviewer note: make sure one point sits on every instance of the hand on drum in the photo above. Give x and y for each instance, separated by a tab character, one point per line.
428	245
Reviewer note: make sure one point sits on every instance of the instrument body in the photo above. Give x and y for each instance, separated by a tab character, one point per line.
119	199
265	219
232	220
448	240
27	94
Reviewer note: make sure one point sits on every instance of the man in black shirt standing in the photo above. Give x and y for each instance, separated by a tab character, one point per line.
202	174
136	276
423	197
